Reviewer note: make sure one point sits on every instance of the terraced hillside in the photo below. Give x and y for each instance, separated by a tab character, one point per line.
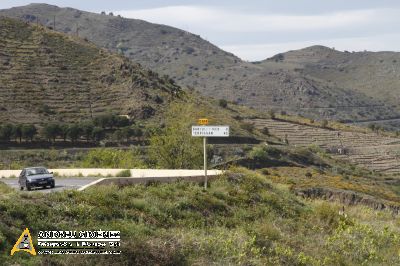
368	150
194	62
48	76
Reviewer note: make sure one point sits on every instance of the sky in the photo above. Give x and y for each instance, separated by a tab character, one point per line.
258	29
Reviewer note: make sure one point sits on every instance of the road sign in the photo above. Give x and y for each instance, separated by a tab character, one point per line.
210	131
202	121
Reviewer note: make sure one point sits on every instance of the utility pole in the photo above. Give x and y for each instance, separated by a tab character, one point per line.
54	22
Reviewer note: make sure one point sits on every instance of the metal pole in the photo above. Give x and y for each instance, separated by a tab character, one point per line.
205	162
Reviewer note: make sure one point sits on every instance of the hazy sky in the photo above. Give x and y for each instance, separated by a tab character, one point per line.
255	30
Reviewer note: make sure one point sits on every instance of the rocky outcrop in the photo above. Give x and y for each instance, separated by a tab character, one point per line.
348	198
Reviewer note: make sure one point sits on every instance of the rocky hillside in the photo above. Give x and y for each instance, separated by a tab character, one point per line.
278	83
368	150
49	76
375	74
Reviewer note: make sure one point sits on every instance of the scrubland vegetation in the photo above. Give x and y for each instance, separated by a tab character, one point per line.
243	218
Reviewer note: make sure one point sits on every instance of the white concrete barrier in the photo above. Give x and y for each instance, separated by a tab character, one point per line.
100	172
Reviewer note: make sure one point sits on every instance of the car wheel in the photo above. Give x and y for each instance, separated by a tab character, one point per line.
52	185
28	187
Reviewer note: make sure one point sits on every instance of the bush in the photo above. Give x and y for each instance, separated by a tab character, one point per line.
174	147
124	173
258	153
113	158
271	114
223	103
324	123
265	171
265	131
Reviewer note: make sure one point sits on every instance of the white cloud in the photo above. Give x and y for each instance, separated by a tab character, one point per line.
255	36
254	52
216	19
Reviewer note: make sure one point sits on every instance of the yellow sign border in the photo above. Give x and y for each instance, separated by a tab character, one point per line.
16	249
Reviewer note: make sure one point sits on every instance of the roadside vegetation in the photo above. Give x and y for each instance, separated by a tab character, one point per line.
243	218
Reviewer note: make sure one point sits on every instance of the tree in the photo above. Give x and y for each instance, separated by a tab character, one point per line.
17	132
28	132
174	147
98	133
137	132
121	121
126	133
51	131
74	132
64	131
104	121
87	130
6	132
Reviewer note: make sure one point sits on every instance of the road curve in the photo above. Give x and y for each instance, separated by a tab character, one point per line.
61	184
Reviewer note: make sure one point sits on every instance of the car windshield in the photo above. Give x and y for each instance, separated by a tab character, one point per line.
36	171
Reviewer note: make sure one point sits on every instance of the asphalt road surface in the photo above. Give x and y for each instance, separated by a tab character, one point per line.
61	184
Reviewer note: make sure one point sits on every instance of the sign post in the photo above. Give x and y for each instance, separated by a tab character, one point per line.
205	161
208	131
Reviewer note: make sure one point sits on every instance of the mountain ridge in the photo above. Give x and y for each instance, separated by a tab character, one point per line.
293	86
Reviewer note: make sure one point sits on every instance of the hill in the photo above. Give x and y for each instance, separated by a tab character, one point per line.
368	149
195	63
374	74
48	76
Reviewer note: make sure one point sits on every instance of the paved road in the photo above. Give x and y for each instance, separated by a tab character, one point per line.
61	183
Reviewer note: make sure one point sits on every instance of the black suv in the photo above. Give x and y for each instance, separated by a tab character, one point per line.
35	177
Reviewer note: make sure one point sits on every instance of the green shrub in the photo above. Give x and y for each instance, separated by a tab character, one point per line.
258	153
223	103
265	131
124	173
174	147
265	171
113	158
